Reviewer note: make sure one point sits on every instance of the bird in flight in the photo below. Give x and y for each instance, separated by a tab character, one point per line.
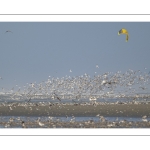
97	66
8	31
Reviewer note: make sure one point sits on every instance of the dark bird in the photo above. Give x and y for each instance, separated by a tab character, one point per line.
8	31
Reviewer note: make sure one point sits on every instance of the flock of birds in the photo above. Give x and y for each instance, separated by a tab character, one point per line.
82	87
54	122
133	84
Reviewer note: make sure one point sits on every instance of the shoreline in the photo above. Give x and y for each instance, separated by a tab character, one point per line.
76	109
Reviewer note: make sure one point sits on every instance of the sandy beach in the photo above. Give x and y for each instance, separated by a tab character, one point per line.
78	110
15	111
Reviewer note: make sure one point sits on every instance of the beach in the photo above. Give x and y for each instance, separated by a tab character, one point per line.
65	115
128	109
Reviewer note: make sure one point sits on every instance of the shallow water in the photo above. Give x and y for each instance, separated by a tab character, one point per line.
72	122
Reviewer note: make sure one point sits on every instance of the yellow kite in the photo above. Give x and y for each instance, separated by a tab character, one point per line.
124	31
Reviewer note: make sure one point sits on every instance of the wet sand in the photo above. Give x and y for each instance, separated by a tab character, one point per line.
81	124
77	110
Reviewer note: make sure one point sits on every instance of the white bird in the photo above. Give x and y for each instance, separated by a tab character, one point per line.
92	98
40	123
144	118
97	66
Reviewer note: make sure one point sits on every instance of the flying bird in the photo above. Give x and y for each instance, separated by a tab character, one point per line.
8	31
97	66
124	31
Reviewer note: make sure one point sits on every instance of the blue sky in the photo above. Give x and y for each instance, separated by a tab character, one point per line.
36	50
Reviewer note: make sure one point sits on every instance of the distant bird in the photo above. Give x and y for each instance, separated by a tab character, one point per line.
93	98
124	31
39	122
23	124
58	98
8	31
29	100
144	118
97	66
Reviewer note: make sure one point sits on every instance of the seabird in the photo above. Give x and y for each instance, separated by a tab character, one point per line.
8	31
